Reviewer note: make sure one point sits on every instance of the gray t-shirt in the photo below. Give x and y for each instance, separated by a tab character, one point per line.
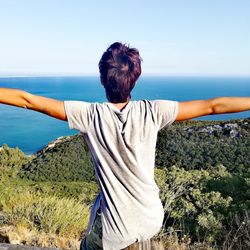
122	145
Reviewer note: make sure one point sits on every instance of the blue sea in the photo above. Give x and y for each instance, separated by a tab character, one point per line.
30	131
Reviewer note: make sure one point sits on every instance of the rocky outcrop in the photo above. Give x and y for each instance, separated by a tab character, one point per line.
230	129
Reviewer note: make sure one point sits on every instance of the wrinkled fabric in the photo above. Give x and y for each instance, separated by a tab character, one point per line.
122	144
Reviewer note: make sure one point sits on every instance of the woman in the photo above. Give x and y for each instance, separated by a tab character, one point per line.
121	135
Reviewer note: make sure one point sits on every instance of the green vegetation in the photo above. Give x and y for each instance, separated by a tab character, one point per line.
48	214
200	145
205	204
202	170
67	159
10	161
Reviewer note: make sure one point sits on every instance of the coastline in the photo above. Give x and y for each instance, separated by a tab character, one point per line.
190	123
31	131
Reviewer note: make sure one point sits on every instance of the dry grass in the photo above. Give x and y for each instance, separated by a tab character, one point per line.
170	242
46	221
23	236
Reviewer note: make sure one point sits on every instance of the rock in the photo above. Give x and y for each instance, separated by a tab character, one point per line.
230	126
229	129
4	246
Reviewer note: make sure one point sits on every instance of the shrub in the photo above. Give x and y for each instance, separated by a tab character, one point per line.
186	200
49	214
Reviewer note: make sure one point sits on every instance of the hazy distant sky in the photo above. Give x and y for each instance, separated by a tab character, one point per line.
177	37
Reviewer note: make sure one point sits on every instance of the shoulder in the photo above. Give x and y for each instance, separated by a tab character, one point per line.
81	104
153	104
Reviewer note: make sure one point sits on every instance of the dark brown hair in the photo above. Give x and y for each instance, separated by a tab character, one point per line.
120	67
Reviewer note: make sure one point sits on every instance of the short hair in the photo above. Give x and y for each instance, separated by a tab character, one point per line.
120	67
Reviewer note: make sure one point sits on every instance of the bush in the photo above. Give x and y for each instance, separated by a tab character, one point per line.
49	214
11	159
186	200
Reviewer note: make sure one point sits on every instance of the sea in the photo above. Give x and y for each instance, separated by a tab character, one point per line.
31	131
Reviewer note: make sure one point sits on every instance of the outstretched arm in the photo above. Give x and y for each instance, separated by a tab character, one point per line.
22	99
219	105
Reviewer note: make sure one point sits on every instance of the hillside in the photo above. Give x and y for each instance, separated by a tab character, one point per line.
202	170
191	145
65	159
198	144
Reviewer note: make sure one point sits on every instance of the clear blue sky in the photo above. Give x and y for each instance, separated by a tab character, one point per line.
177	37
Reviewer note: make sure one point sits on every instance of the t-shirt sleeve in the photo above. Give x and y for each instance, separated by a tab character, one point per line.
165	112
79	114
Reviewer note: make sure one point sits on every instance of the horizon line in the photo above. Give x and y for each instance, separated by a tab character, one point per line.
141	76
